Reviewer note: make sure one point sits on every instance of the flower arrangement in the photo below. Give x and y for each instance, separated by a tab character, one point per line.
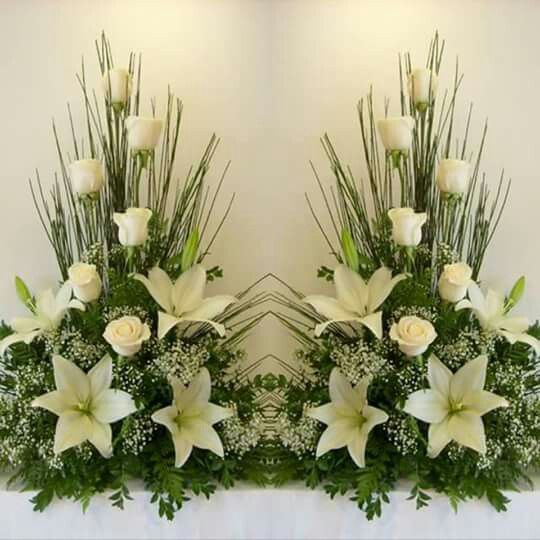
413	370
128	370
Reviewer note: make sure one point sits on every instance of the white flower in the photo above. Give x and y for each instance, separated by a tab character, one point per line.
422	86
453	176
85	281
183	301
454	281
413	335
396	133
190	418
143	132
491	312
133	226
86	176
85	405
454	405
126	335
356	300
117	85
406	226
49	312
349	418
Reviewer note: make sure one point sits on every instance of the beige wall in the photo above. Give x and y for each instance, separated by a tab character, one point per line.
270	77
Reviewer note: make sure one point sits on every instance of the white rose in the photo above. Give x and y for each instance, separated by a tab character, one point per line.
422	86
126	335
454	281
117	84
85	281
143	132
453	176
413	335
133	226
86	176
406	226
396	133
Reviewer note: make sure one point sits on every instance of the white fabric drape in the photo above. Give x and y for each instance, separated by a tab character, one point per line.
289	513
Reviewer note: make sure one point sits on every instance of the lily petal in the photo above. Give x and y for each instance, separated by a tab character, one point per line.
357	448
24	325
63	296
427	405
342	394
188	290
101	437
212	414
203	435
439	376
325	413
380	285
17	338
374	323
54	402
515	325
467	429
481	402
351	290
469	378
197	394
101	375
182	449
522	338
72	429
166	417
374	417
70	379
159	285
337	435
330	308
113	405
218	327
166	323
438	438
210	308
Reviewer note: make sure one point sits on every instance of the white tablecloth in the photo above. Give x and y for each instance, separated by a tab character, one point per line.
246	513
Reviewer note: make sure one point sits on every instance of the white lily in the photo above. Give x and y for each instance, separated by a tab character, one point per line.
349	418
85	405
190	418
182	301
49	312
357	301
491	312
454	405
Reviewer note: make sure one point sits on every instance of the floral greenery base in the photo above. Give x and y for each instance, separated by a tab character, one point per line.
142	448
398	449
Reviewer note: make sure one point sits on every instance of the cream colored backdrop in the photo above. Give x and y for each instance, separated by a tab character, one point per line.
269	76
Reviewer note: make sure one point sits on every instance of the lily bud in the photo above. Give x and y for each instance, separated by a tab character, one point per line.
516	293
23	293
349	250
189	253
